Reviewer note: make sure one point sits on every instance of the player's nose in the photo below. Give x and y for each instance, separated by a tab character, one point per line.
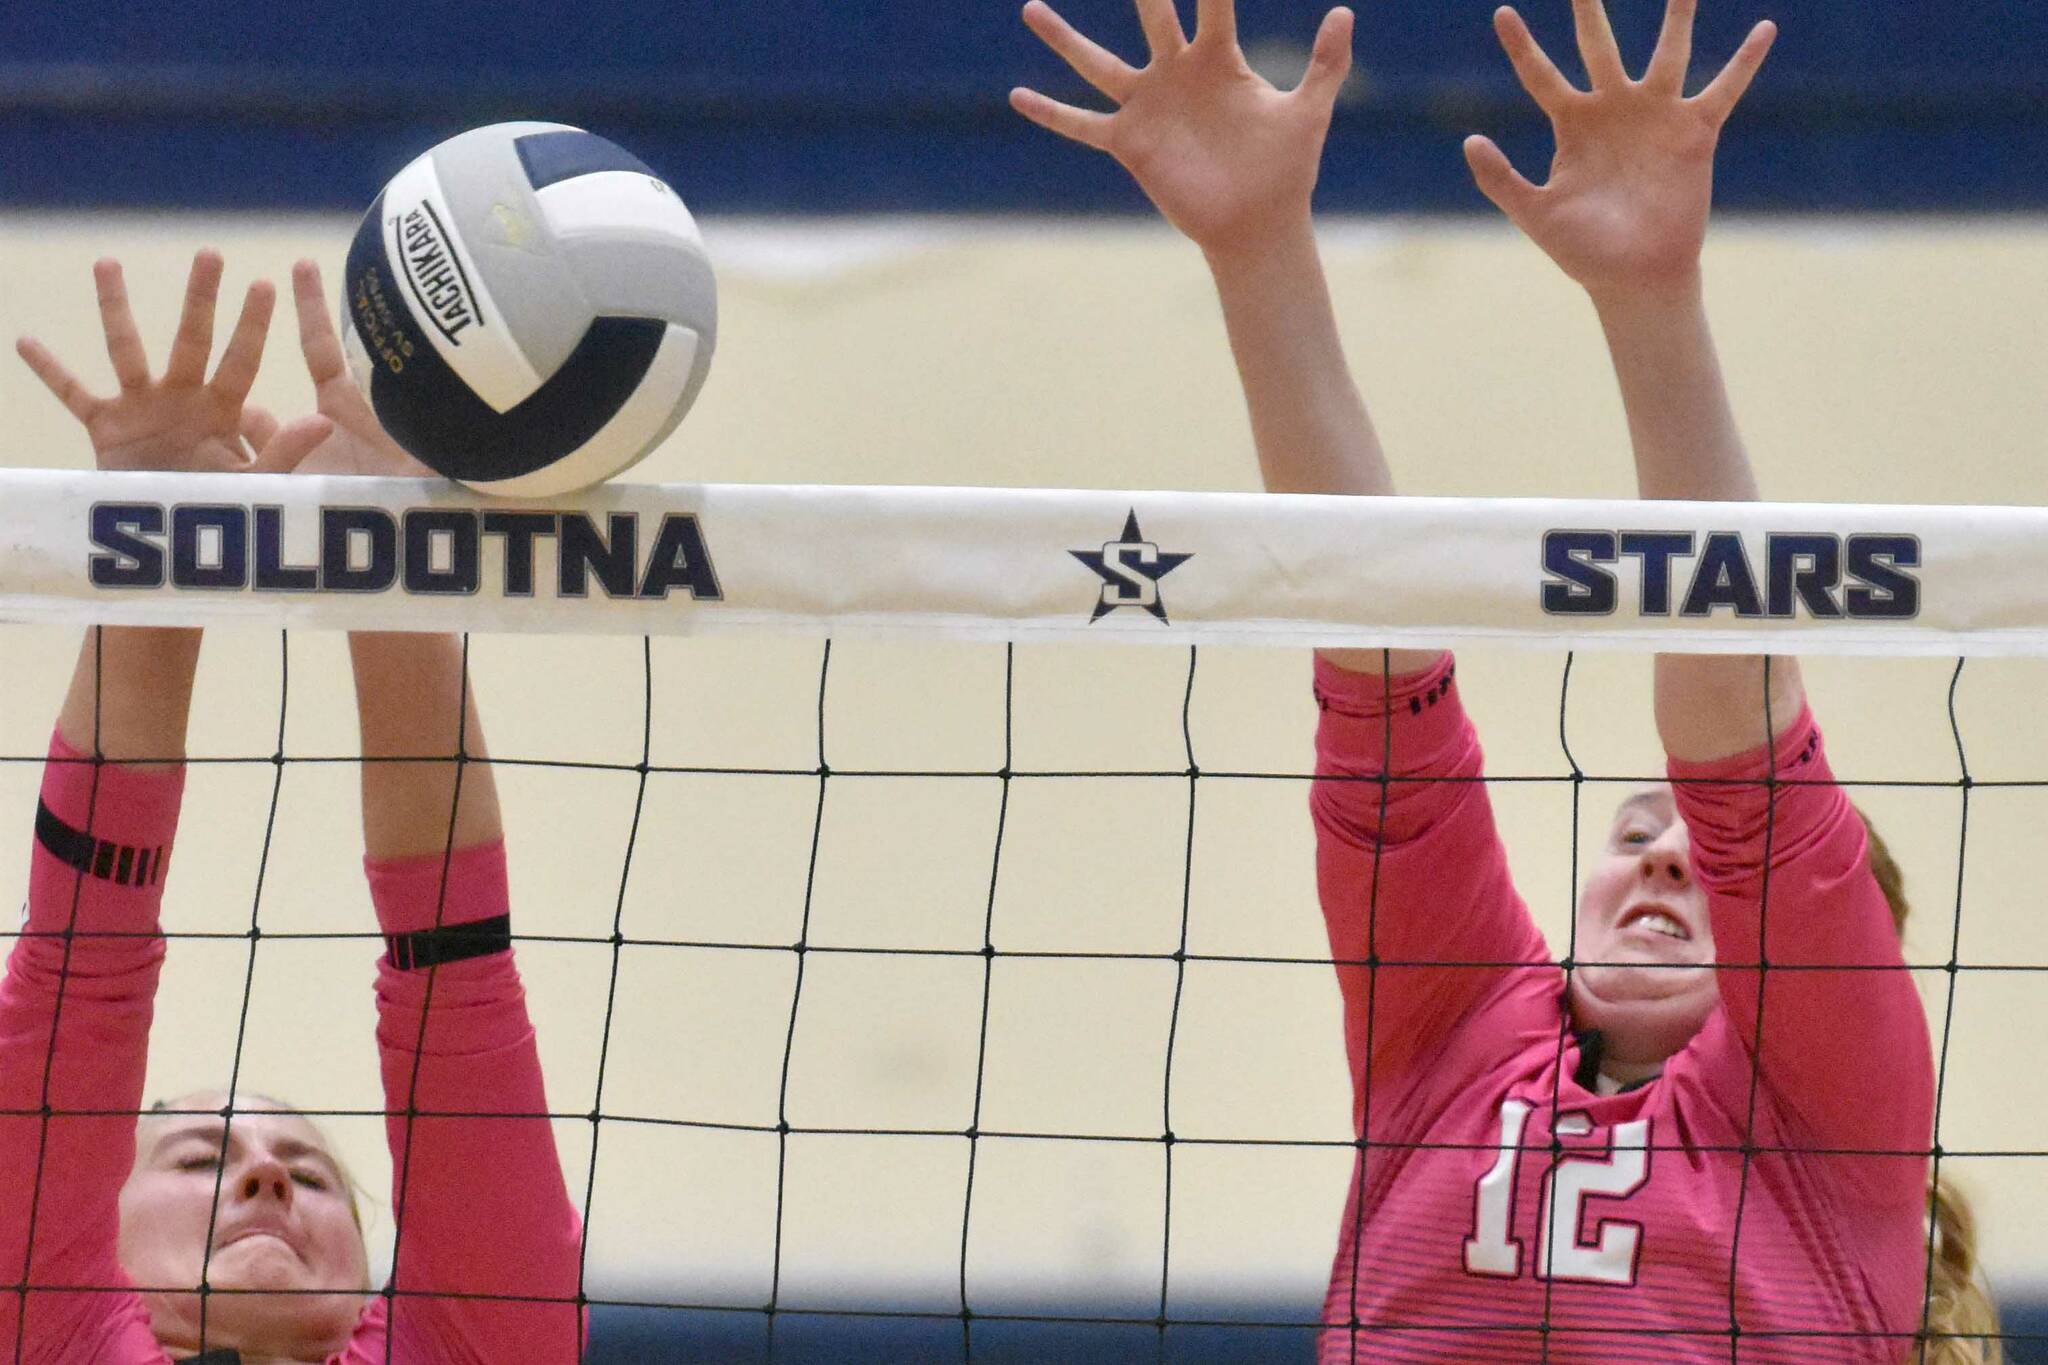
1666	865
264	1179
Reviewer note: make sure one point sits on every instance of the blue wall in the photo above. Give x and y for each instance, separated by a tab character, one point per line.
899	104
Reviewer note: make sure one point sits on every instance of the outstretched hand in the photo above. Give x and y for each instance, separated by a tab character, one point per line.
357	443
1626	205
180	420
1229	159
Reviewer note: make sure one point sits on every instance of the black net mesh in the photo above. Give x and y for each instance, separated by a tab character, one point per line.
1063	1321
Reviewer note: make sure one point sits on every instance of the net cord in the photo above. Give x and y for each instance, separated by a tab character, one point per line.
227	1114
1964	784
988	967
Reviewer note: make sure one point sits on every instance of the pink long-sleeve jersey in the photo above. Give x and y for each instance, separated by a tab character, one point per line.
1645	1233
482	1209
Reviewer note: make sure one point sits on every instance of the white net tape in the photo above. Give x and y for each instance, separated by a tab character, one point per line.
1025	565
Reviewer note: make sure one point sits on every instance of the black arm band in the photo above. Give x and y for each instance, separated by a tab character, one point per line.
450	943
122	864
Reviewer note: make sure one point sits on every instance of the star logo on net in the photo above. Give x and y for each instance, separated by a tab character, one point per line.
1130	569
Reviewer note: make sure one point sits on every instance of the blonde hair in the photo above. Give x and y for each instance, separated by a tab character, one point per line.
1961	1322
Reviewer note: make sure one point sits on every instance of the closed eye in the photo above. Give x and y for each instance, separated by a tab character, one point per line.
309	1179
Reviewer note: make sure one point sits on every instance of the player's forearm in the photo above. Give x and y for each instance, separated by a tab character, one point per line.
1309	422
1681	424
131	694
416	715
1713	706
1687	447
485	1207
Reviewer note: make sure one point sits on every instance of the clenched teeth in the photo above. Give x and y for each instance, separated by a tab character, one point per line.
1659	923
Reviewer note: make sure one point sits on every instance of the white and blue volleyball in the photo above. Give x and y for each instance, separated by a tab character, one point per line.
530	309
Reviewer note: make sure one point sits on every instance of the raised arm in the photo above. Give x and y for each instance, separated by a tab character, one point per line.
1787	870
489	1245
478	1194
76	1003
1624	213
1411	873
1233	163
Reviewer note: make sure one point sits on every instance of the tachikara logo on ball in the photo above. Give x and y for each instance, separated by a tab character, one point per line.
1819	574
422	551
420	308
437	278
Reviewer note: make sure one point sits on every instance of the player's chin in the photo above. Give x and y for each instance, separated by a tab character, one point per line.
1648	982
261	1263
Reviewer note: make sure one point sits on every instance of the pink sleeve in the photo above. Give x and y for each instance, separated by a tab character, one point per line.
91	937
479	1200
1411	873
1789	885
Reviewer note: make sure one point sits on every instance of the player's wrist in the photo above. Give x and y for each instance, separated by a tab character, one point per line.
1253	250
1649	294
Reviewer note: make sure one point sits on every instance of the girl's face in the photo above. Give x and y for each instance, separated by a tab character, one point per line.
1644	933
282	1221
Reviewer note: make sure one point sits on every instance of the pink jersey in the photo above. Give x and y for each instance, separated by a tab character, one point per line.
482	1209
1647	1237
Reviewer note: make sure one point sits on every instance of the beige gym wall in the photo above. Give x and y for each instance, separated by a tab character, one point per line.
1883	363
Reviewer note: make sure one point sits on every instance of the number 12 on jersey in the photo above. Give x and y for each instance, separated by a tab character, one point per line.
1610	1256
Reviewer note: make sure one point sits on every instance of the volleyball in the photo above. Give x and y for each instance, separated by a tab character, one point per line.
530	309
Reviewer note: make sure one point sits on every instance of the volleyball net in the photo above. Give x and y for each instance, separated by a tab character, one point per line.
914	888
